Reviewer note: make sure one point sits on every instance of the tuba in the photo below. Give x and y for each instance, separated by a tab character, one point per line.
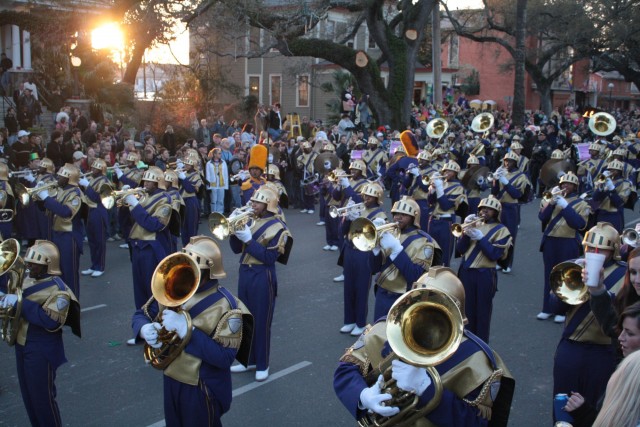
222	227
566	282
602	124
482	123
365	236
436	128
13	265
173	283
424	328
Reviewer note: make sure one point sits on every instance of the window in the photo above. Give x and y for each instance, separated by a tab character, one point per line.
330	30
303	91
453	50
275	88
254	86
372	42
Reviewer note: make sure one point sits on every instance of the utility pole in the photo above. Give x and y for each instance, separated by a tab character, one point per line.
435	53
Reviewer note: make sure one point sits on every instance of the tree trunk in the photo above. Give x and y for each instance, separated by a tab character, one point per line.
519	97
545	97
133	65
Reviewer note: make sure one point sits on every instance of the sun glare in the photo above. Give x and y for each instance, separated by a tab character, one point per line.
107	36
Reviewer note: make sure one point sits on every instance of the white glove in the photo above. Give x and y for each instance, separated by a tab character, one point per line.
173	321
390	243
244	235
29	177
149	333
439	186
414	171
503	180
182	175
474	233
379	221
638	227
84	182
561	201
344	182
131	200
410	378
118	171
9	300
470	218
179	164
609	185
43	194
371	398
126	187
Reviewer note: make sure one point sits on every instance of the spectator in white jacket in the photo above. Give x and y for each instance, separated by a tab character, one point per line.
217	176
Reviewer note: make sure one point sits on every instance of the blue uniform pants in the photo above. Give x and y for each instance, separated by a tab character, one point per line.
143	264
510	218
191	218
440	230
69	259
37	384
384	301
257	288
555	251
308	202
188	405
332	230
97	237
480	286
357	281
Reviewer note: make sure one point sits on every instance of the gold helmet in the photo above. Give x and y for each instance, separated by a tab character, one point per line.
491	202
306	144
155	174
373	189
473	160
328	148
133	157
596	147
424	155
171	177
71	172
451	166
406	205
445	280
100	165
576	138
274	170
516	146
557	154
47	164
571	178
4	172
516	138
603	236
439	152
511	156
46	253
358	165
619	152
616	165
206	253
267	196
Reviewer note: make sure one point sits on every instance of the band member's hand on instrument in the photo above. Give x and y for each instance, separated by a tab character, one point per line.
126	187
244	235
470	218
410	378
43	194
118	171
414	171
390	243
609	185
243	175
379	221
344	182
29	177
149	333
560	201
8	300
474	233
182	175
371	398
575	401
84	182
503	180
175	322
131	200
638	227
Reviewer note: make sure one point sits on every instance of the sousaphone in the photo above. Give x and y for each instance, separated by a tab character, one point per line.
12	265
602	124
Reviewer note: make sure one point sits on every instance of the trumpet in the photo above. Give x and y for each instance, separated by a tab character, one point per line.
222	227
236	177
602	179
110	197
22	173
335	177
458	229
630	237
365	235
27	194
427	180
547	196
335	212
114	167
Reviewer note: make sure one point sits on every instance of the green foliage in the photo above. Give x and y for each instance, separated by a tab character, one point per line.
471	83
247	107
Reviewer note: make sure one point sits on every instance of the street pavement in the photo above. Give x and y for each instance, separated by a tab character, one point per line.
106	382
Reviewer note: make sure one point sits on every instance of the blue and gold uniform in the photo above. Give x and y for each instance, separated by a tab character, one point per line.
7	201
46	175
342	191
417	189
98	218
591	168
190	183
304	163
610	197
177	206
131	177
375	159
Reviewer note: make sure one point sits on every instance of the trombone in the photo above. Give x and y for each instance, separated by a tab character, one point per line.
110	197
458	229
335	212
222	227
27	194
365	235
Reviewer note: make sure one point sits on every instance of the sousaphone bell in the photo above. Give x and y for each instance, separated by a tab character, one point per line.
602	124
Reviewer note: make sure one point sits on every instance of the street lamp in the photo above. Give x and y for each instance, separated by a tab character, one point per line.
75	63
610	86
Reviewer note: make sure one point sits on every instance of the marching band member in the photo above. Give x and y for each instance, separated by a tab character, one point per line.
477	386
482	245
439	158
563	218
417	189
620	154
612	195
273	176
267	241
98	218
446	197
401	162
585	357
591	168
67	229
331	196
26	217
149	237
197	384
509	186
375	158
131	177
7	201
254	179
304	163
523	161
402	260
349	189
357	264
190	183
47	305
46	175
474	194
177	207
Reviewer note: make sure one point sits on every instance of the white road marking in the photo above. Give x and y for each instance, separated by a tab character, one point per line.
95	307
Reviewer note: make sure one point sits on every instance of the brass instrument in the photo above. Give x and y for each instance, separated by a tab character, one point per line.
630	237
365	235
458	229
12	264
222	227
601	179
482	123
335	177
335	212
116	166
23	173
548	196
110	197
428	179
424	328
6	215
566	282
602	124
25	195
436	128
174	281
